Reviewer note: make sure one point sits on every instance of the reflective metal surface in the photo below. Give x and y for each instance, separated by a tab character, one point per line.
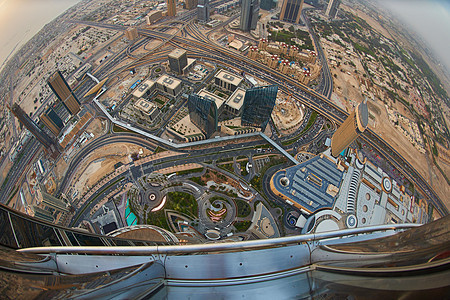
379	262
230	246
22	231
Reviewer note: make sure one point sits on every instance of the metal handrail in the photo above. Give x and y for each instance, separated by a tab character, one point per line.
216	247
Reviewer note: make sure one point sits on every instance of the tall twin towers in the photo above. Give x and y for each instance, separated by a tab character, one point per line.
49	118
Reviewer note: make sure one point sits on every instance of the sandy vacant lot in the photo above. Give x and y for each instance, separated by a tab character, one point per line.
102	161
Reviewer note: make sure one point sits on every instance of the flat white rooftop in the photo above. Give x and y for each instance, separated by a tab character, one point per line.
208	95
229	77
143	88
236	99
169	82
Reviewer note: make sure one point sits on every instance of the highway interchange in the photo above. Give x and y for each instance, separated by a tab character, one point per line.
198	46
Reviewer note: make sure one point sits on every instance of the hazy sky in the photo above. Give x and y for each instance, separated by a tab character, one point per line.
20	20
430	19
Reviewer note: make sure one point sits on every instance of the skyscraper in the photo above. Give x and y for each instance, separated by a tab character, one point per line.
291	11
258	105
52	121
178	60
64	93
203	113
350	129
203	11
171	8
249	14
48	143
332	8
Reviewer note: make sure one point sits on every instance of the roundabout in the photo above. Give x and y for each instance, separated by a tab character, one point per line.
216	211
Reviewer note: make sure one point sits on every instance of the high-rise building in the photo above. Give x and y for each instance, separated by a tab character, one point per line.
191	4
203	11
258	105
268	4
171	8
178	60
52	121
332	8
64	93
153	16
249	14
131	33
350	129
291	11
48	143
203	113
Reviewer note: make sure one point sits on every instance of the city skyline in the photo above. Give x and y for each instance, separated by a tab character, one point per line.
176	139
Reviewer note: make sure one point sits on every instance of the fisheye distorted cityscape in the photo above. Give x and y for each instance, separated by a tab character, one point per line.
235	148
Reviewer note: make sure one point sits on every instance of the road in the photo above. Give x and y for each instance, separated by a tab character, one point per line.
200	47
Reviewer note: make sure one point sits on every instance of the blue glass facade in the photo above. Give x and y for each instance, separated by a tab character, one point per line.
203	113
55	118
258	105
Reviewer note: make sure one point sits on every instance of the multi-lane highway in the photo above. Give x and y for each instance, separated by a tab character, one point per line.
199	46
304	95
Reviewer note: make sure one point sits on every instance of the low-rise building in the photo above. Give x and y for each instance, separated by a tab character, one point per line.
169	85
227	80
144	89
147	108
235	101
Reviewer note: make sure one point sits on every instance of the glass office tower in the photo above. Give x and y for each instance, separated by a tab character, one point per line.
203	113
203	11
258	105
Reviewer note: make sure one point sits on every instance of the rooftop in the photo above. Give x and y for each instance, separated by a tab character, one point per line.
143	88
229	77
168	81
208	95
311	185
177	53
145	106
236	99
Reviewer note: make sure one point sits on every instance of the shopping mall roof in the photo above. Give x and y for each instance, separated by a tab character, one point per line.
312	185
